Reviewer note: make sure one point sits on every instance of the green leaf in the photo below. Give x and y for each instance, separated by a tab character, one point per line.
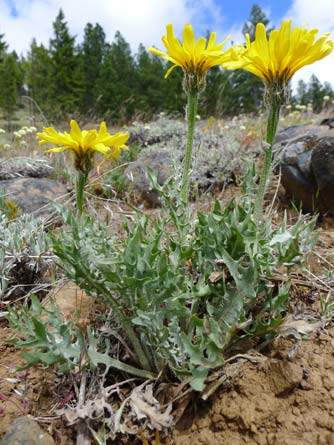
197	381
280	238
97	358
40	330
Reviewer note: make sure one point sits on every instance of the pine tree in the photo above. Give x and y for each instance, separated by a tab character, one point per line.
150	85
92	54
302	94
65	69
117	82
315	93
327	90
3	47
10	83
38	68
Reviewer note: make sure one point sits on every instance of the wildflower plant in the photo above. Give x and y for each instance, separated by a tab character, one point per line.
185	288
275	59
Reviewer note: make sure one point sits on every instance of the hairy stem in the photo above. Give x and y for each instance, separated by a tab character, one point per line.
82	430
80	187
128	328
191	116
266	169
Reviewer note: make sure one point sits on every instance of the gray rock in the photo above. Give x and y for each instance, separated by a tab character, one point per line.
300	132
301	188
25	431
322	160
24	167
32	195
304	174
159	162
328	121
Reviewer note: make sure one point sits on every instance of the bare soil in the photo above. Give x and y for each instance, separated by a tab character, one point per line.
21	393
279	401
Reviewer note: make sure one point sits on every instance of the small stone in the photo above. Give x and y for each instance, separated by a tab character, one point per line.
25	431
323	337
296	411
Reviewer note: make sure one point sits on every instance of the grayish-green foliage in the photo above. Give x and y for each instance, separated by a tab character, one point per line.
190	285
23	247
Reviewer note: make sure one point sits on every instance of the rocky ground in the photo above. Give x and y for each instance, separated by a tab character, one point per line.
277	393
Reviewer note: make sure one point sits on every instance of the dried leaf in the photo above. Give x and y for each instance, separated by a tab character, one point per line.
297	327
145	405
215	276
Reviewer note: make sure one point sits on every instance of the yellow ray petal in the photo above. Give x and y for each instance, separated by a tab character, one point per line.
56	149
75	133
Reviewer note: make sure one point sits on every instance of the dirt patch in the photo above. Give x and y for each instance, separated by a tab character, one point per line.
277	402
25	392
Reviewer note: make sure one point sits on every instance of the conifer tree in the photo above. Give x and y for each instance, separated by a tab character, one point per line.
315	93
117	82
217	99
92	54
150	84
302	94
3	46
175	96
38	68
65	69
327	90
10	83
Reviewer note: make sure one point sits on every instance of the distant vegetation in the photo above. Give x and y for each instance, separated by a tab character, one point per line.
97	79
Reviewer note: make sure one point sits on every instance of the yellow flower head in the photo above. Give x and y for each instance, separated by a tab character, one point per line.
285	52
194	57
85	143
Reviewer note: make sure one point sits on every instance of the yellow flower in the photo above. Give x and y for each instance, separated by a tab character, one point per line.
193	56
84	142
286	51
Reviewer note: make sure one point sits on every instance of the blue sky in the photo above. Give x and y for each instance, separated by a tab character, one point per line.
144	21
238	11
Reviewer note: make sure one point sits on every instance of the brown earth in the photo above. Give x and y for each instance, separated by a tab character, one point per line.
287	398
276	402
21	393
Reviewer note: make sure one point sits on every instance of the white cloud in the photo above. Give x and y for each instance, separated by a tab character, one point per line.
314	14
140	21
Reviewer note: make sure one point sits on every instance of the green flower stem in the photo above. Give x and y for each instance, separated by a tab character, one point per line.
81	182
191	116
266	169
127	326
